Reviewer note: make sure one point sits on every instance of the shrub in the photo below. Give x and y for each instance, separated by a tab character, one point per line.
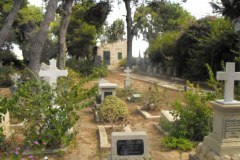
87	68
34	102
153	98
195	116
113	109
125	92
177	143
5	80
2	112
123	62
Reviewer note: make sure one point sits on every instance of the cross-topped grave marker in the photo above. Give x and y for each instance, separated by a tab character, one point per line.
229	77
52	73
128	71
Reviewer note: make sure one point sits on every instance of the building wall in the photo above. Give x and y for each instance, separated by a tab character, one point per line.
114	49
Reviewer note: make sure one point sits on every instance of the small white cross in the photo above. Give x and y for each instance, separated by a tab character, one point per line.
229	77
128	71
52	73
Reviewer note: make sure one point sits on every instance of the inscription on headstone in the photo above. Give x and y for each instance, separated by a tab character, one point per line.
130	147
232	127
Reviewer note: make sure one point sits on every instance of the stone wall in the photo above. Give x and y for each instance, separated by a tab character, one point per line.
114	49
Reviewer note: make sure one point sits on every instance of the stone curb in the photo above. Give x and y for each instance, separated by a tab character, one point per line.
146	114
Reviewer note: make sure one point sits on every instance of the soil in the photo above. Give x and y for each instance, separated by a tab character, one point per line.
86	143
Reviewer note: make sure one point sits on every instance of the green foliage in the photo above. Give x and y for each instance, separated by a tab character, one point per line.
210	40
125	92
163	47
5	79
113	110
160	17
193	115
123	62
153	98
177	143
115	32
3	111
86	21
166	125
34	103
87	68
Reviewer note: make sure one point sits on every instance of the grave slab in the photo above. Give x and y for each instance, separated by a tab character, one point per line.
147	115
129	145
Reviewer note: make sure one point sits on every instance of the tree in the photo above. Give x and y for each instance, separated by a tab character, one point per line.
86	21
159	17
9	20
115	32
38	40
228	8
131	29
26	25
210	41
67	10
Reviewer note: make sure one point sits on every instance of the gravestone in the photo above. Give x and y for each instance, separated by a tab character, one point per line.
127	80
51	73
224	140
129	145
6	125
107	89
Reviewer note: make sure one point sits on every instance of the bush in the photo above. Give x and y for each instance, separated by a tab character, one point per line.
125	92
123	62
5	79
3	111
177	143
34	102
87	68
195	116
113	109
153	98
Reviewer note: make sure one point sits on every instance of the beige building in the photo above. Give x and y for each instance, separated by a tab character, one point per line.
111	53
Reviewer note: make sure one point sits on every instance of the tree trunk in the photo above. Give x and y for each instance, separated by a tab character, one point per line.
37	41
1	64
129	32
62	34
7	26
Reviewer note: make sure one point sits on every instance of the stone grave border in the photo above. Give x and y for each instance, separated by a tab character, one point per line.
28	152
147	115
103	137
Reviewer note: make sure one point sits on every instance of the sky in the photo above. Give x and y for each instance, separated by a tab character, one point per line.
198	8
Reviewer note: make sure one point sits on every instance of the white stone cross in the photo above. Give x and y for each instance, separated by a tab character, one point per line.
52	73
15	77
229	77
128	71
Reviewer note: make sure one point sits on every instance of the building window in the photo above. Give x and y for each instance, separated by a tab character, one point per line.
106	57
119	55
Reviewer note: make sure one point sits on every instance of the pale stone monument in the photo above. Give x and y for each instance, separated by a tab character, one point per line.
6	125
129	145
51	73
127	80
107	89
224	141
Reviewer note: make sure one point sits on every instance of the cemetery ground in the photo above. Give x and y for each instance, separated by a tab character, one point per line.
85	146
